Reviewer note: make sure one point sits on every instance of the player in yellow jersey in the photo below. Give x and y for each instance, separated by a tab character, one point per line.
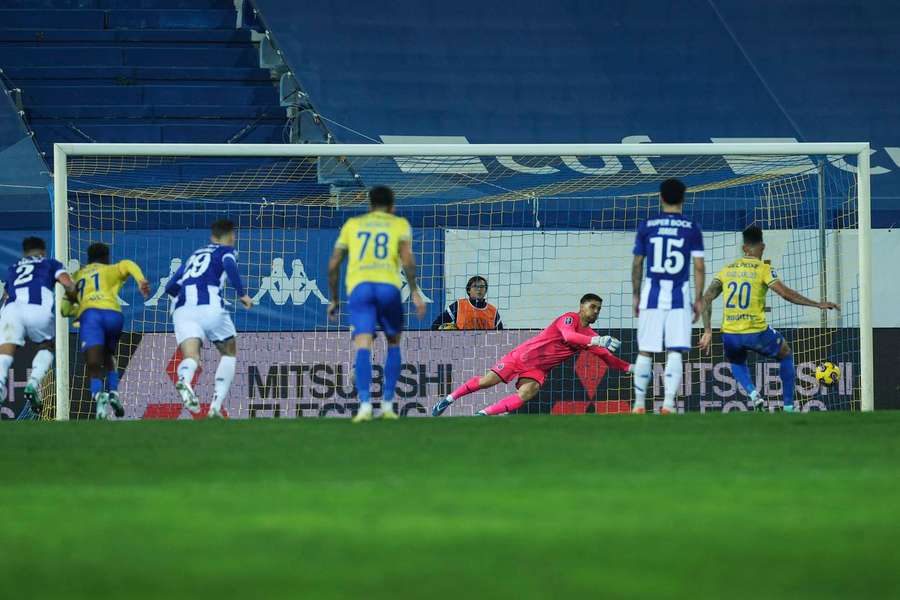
377	244
744	327
96	306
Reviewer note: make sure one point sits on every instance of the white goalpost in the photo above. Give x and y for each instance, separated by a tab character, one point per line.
543	223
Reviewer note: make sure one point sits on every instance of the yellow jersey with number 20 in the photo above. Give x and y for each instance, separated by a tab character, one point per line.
372	242
744	286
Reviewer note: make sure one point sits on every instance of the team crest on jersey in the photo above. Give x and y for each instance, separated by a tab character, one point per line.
568	321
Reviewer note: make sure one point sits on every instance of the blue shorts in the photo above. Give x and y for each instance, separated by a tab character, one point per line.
768	343
374	304
100	327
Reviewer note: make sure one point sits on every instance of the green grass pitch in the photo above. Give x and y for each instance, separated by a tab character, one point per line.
695	506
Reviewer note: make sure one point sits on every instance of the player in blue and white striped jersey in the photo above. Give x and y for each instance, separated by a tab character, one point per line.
28	312
669	242
200	313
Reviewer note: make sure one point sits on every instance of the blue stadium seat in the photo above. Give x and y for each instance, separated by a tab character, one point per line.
137	71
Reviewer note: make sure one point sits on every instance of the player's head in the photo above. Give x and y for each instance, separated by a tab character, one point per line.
381	197
753	241
222	232
98	252
590	307
33	245
671	192
477	287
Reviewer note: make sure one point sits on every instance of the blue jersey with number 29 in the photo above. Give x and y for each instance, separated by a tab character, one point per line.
668	241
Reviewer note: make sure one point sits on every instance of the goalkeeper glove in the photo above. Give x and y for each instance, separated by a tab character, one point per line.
68	308
606	341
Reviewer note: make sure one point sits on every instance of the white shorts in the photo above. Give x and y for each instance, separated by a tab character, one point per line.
660	328
205	322
18	321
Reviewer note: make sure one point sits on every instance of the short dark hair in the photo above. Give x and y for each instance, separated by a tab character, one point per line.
473	280
753	235
591	298
381	196
672	191
98	252
221	227
33	243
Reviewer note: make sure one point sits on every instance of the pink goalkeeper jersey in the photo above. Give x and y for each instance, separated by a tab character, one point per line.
564	338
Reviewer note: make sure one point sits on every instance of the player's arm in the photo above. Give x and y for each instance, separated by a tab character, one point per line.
408	260
795	297
173	288
229	263
610	359
568	330
334	276
712	292
699	282
498	322
637	276
129	267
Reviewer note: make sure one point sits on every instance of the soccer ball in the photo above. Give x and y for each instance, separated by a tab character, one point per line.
828	374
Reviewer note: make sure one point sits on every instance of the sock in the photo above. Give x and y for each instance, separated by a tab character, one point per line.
674	372
112	381
186	369
508	404
363	370
96	386
742	375
6	362
467	388
391	375
39	366
787	374
643	367
224	377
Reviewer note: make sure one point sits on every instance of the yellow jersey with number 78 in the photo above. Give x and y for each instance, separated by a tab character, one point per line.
372	242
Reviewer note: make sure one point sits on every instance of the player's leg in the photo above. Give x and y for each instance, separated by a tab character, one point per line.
473	384
189	336
224	374
92	342
363	317
677	334
12	336
390	316
650	341
526	389
788	375
772	344
40	365
7	355
736	355
113	322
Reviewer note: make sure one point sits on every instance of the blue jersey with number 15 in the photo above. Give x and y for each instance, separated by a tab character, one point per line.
668	242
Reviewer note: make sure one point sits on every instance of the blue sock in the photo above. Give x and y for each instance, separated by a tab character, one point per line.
742	374
96	386
391	372
112	381
363	369
788	375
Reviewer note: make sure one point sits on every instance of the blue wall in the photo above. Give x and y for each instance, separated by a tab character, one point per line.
584	71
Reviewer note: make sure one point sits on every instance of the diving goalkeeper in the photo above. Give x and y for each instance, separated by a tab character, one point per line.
530	362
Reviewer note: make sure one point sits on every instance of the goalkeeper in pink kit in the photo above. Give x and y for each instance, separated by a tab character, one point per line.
530	362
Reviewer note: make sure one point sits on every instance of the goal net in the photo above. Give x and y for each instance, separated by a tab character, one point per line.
542	224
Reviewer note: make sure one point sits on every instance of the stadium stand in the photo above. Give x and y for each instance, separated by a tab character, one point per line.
531	72
137	71
23	176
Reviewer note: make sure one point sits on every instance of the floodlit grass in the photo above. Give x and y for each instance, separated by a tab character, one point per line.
693	506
